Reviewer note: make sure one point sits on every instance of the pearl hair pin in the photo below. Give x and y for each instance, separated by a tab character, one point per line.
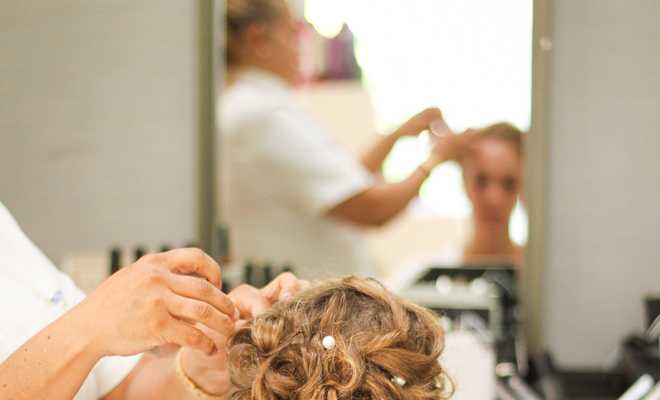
328	342
399	381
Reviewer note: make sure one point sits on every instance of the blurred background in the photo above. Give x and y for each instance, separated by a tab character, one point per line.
110	140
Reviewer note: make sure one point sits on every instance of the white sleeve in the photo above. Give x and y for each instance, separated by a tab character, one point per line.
310	170
109	372
23	263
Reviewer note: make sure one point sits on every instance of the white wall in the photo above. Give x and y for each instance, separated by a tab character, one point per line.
603	194
99	121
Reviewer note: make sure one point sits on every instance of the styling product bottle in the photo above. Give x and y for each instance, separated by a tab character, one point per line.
248	273
139	252
224	250
115	260
287	268
268	274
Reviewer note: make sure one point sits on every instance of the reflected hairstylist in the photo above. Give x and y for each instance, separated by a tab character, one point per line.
289	193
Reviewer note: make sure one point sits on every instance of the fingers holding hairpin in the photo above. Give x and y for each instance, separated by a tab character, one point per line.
284	287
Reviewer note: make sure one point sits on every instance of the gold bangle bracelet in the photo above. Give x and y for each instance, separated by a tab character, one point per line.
189	384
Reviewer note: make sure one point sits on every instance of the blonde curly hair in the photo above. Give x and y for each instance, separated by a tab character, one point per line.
380	338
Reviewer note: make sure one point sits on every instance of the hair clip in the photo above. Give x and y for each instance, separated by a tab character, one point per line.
399	381
328	343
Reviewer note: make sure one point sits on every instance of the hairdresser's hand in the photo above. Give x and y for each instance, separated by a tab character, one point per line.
251	301
454	147
419	122
210	372
283	288
157	301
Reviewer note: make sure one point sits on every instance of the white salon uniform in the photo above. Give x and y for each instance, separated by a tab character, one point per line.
33	293
280	173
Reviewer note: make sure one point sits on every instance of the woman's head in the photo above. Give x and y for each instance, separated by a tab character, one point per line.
262	34
379	338
492	172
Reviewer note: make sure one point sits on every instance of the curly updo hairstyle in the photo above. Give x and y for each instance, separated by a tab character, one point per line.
379	337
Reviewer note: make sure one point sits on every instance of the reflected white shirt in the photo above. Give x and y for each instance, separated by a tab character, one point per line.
280	173
33	293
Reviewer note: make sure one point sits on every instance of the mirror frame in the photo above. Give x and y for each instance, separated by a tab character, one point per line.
535	177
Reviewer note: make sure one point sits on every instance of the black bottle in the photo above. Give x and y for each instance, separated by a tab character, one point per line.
139	252
115	260
268	274
248	273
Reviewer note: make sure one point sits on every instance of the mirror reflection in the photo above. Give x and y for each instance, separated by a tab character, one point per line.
387	145
352	143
